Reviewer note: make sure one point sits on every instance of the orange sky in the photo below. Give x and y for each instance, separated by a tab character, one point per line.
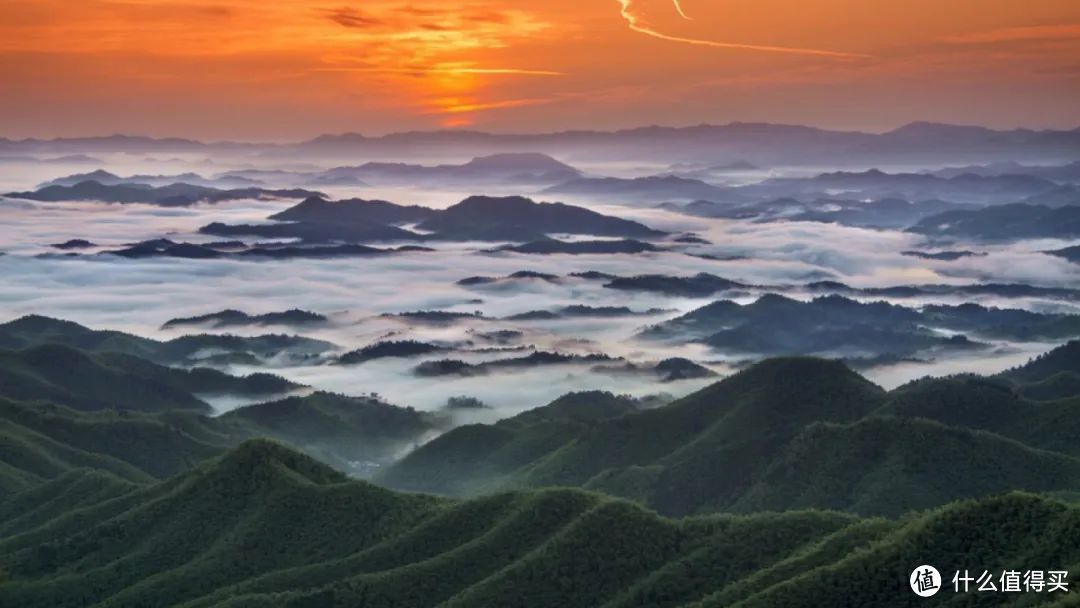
271	70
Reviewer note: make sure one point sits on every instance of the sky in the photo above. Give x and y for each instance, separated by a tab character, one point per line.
291	69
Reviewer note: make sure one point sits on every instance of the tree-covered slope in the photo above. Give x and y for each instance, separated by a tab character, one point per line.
1010	532
782	434
37	330
212	526
993	405
41	441
354	434
116	381
276	528
263	526
890	466
1053	375
475	458
34	330
62	408
671	457
71	491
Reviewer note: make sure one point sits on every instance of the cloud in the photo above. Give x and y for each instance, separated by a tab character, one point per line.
139	295
445	69
638	24
458	106
487	16
352	18
679	9
401	19
1065	31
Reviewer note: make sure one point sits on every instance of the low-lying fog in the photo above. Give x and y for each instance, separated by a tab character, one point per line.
138	296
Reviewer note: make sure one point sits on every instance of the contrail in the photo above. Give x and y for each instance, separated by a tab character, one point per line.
682	13
639	26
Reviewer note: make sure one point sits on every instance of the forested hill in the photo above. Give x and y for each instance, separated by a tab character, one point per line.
786	434
263	526
795	482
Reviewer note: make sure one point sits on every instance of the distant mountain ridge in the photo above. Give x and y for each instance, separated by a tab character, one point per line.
966	188
111	179
759	143
1002	223
510	168
838	326
499	169
171	195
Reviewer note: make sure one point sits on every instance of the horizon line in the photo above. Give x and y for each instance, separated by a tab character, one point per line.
447	131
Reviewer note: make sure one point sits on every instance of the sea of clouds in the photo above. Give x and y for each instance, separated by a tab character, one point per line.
138	296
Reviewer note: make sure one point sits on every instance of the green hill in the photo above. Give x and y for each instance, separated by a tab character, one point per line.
150	418
41	441
36	330
115	381
1065	358
889	466
992	405
157	504
1053	375
474	458
69	492
354	434
666	457
264	526
783	434
1003	533
259	508
1059	386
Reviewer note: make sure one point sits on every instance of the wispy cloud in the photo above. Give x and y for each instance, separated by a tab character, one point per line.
461	106
436	70
638	24
351	17
679	9
1018	34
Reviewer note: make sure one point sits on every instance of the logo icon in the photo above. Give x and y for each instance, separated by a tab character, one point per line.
925	581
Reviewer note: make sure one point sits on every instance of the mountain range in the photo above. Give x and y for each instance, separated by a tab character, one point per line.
783	434
795	482
89	538
37	330
1002	223
841	327
890	213
511	168
172	195
967	188
106	178
757	143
